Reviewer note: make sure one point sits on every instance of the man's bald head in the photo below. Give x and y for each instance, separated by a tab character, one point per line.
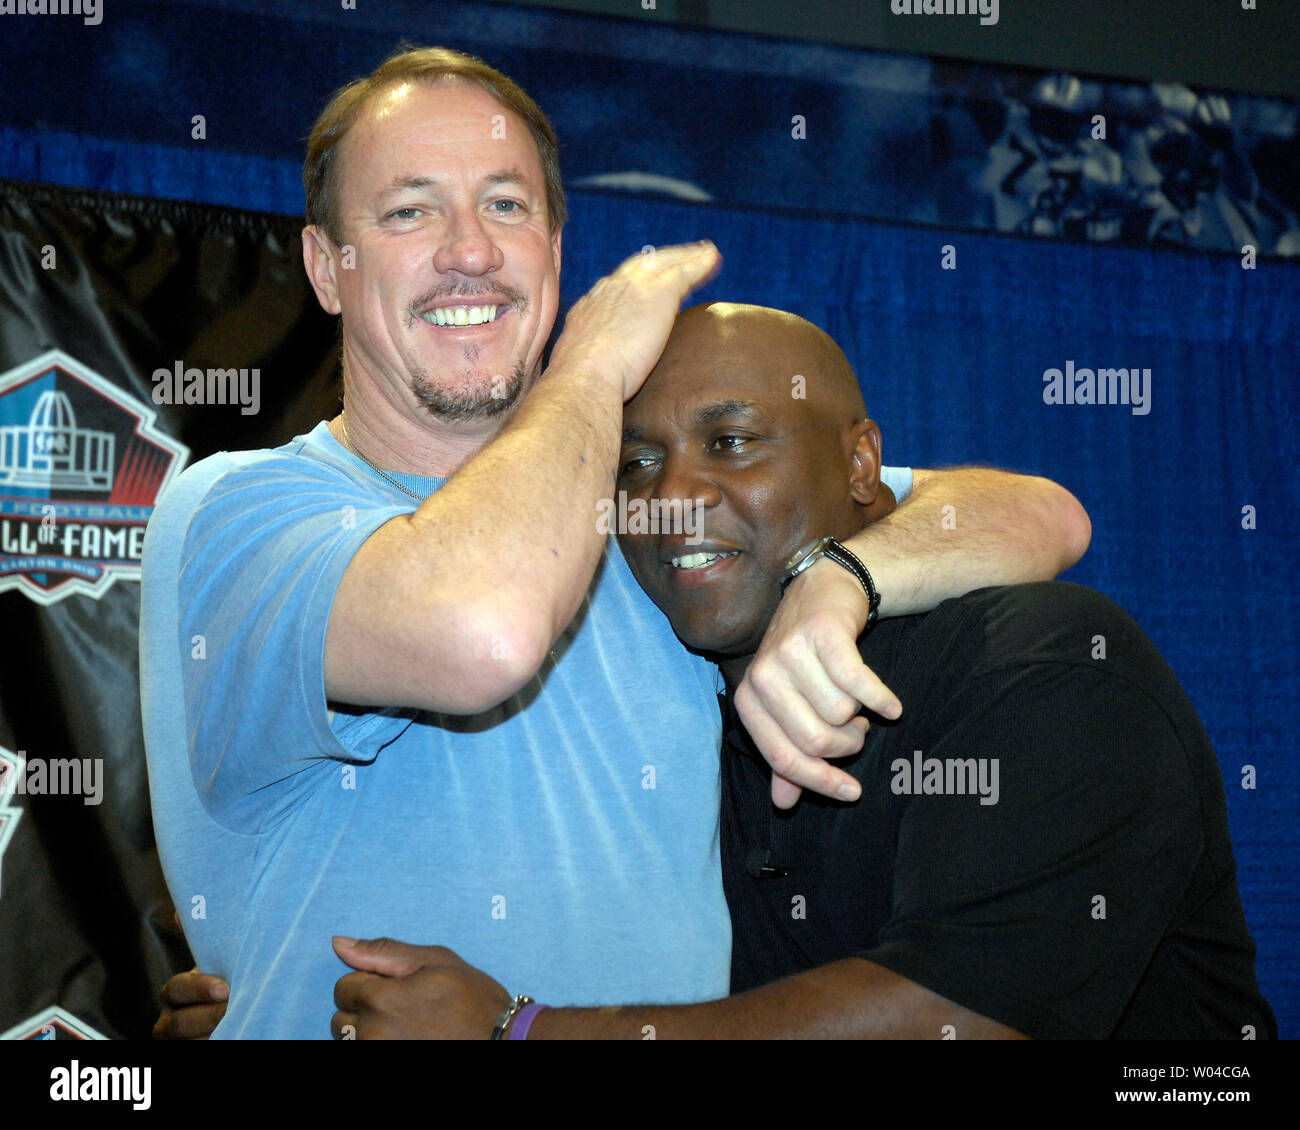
789	345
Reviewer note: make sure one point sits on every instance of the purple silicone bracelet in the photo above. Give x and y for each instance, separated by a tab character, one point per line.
524	1020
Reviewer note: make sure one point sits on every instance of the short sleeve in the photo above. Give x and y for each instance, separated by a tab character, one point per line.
1043	908
263	543
897	479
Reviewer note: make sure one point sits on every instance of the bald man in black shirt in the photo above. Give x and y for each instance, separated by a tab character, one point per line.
1041	848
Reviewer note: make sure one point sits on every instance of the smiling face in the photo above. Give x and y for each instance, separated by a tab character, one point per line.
455	282
720	420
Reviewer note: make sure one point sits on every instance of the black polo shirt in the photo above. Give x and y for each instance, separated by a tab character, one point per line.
1092	894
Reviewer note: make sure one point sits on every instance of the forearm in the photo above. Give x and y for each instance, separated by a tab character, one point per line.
523	512
852	999
454	607
968	528
806	1007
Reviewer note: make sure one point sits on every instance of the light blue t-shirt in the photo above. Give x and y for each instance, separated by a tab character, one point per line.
565	842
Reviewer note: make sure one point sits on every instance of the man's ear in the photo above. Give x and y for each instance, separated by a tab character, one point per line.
320	259
555	249
864	480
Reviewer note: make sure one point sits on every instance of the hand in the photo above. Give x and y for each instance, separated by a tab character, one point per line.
406	992
621	325
804	686
193	1004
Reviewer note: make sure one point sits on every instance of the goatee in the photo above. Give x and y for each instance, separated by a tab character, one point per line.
499	398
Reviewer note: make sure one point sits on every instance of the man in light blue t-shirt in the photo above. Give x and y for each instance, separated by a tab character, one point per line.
397	678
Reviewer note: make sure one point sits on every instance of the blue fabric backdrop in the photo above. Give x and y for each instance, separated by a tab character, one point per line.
951	363
737	119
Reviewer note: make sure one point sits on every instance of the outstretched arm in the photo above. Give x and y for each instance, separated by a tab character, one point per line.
411	992
852	999
967	528
959	530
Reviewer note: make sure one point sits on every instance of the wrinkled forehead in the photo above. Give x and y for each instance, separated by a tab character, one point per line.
696	387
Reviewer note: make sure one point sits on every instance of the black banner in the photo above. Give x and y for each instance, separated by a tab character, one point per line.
135	336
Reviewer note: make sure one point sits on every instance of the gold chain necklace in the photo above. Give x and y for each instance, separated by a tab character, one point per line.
347	442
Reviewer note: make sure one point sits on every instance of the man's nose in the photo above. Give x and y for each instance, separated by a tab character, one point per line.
467	247
688	479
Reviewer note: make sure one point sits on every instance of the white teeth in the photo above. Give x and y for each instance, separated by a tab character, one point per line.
698	560
461	315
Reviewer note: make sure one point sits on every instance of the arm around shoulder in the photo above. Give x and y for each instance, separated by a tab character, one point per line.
852	999
969	527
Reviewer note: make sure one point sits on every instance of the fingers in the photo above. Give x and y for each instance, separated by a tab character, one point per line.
384	956
619	327
785	794
194	988
800	700
692	264
193	1022
345	1026
352	991
690	261
843	666
193	1003
686	267
794	688
786	759
362	999
678	270
808	671
781	695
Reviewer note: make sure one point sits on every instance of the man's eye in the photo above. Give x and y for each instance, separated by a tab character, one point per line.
506	207
631	466
404	214
732	443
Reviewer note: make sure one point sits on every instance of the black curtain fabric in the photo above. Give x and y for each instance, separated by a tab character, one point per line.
123	287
